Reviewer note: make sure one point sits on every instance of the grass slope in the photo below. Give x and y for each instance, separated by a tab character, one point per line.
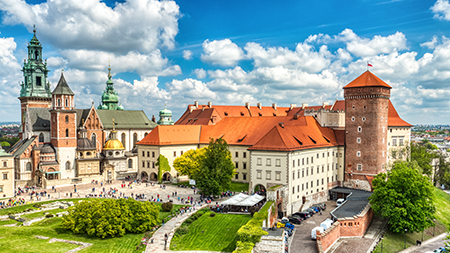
207	233
395	243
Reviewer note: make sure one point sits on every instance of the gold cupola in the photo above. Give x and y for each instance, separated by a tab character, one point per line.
113	143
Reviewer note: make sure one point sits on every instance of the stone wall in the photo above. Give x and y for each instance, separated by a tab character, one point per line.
328	237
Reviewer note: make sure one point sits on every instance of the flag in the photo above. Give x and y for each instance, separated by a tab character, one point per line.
369	65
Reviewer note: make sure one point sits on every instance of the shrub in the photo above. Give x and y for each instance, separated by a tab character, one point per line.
49	215
212	214
244	247
181	231
189	221
167	207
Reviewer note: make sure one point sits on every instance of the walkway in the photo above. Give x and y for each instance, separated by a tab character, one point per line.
428	245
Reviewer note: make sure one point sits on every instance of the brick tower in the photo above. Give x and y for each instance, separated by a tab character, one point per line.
366	126
63	127
35	89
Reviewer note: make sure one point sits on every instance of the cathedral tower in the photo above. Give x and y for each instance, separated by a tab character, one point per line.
35	89
366	125
63	127
110	98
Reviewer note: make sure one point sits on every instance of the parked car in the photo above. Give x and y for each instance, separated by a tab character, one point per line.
295	220
322	206
440	250
326	224
311	211
313	232
316	209
340	202
303	215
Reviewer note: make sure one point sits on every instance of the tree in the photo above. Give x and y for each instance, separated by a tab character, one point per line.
442	171
422	157
216	170
163	166
189	163
405	197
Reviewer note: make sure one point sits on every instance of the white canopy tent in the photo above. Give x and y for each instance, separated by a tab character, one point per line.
243	200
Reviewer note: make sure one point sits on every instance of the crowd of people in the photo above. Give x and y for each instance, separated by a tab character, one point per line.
11	202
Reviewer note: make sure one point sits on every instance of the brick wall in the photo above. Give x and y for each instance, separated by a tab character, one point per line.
328	237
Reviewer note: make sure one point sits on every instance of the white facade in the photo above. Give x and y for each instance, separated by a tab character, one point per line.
66	155
398	140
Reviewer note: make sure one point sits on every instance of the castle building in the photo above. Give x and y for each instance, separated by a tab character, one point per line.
61	144
308	149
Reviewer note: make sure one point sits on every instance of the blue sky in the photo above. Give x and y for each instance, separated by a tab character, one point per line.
232	52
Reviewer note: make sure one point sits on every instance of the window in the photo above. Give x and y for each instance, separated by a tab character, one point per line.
293	175
181	152
303	161
153	153
59	102
143	153
124	140
278	175
298	162
130	164
312	170
318	169
143	164
67	119
307	160
174	153
323	168
94	139
134	139
323	155
358	153
1	188
312	159
244	176
67	102
298	174
317	155
5	176
328	167
394	140
268	162
236	176
259	161
306	185
322	180
148	164
41	137
258	174
67	165
358	140
353	118
312	184
363	118
278	163
293	164
400	141
293	189
359	167
153	165
5	164
67	132
298	188
237	165
148	153
317	182
268	175
359	129
237	154
303	172
38	78
303	187
307	171
244	165
244	154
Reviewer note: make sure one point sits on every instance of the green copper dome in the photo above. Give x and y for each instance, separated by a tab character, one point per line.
110	98
165	117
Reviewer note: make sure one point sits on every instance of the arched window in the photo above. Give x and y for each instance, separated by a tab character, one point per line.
59	102
94	139
124	138
145	134
28	167
41	137
67	102
67	118
67	165
134	139
130	164
67	132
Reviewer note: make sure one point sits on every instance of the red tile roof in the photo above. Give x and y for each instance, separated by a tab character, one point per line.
339	105
394	119
367	79
172	135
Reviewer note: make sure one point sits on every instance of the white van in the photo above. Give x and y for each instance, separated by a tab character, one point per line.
326	224
313	232
339	202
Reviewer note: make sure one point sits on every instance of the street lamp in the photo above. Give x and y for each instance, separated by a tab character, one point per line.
382	244
434	221
406	230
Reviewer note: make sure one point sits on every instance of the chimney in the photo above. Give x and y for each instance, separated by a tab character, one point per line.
210	104
274	106
281	124
292	106
153	118
196	104
304	105
247	104
324	104
191	108
296	116
259	105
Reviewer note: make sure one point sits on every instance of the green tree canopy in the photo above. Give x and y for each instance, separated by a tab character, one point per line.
5	144
405	197
111	217
163	166
189	163
422	157
216	170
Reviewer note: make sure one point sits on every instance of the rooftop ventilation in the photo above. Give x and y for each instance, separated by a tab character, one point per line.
225	113
328	140
312	140
281	124
210	104
299	142
242	139
259	105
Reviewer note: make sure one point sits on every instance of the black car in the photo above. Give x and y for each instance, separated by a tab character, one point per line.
302	215
295	220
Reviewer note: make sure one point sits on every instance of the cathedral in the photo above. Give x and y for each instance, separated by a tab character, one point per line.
61	144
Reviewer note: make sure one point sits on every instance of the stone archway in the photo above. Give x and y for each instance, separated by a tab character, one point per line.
144	176
153	176
166	177
260	189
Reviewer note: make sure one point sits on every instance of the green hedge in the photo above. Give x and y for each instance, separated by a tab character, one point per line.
249	234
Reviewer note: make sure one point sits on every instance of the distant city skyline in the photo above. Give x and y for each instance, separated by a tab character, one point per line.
232	52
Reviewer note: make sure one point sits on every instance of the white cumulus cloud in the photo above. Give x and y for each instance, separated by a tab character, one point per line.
222	52
441	9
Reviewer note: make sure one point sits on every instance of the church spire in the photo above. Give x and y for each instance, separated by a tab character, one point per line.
110	98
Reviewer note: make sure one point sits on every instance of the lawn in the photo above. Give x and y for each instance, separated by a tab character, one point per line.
395	243
23	239
207	233
19	209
